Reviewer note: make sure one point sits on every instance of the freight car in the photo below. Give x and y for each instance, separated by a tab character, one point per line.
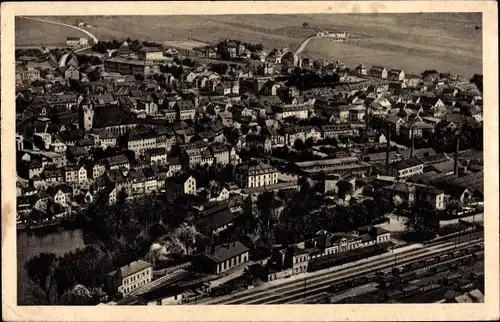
393	295
406	277
445	257
452	278
431	261
389	281
410	290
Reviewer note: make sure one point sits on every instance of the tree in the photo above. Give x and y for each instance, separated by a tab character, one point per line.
299	144
188	235
453	206
41	270
344	188
477	79
309	142
422	218
78	295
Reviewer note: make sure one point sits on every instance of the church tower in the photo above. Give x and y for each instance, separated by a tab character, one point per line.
86	115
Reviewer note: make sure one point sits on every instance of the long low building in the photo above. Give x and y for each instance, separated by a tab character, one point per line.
331	166
127	66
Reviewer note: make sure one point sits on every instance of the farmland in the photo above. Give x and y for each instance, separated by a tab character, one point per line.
445	41
37	33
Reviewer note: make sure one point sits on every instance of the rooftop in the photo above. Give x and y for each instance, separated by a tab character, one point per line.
227	251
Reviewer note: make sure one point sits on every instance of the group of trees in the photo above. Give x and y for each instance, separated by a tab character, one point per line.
134	45
423	220
71	279
444	137
477	79
309	80
223	51
123	232
305	213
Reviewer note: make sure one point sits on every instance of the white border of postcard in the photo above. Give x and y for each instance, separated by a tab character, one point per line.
399	312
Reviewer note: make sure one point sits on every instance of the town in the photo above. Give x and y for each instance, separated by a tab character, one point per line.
223	173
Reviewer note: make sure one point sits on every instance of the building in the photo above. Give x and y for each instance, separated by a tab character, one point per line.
334	36
336	130
75	174
227	88
259	175
361	70
156	156
127	66
406	168
396	75
332	166
77	42
129	278
72	73
357	113
140	140
411	192
222	258
185	110
300	111
152	55
26	72
116	162
378	72
182	184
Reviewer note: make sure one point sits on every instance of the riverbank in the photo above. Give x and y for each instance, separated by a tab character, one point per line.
51	226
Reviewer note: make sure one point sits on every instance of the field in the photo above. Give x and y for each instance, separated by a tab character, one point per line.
37	33
413	42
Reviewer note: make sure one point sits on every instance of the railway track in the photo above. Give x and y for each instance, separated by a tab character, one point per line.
314	297
290	289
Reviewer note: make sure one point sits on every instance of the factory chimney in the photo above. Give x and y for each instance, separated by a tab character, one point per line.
412	142
457	147
388	150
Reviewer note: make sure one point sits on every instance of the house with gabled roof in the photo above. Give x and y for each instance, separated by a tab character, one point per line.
222	258
378	72
396	75
129	278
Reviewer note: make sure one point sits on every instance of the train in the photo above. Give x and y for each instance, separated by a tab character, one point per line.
401	275
328	261
236	284
353	282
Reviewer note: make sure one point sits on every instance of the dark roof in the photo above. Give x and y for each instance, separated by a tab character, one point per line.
181	179
216	220
404	164
134	267
111	115
150	49
116	160
227	251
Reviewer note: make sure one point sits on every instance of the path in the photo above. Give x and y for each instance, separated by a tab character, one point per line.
94	38
303	46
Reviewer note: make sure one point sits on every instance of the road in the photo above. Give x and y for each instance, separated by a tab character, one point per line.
303	46
293	288
94	38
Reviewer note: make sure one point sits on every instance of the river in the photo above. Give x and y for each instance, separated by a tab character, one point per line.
31	244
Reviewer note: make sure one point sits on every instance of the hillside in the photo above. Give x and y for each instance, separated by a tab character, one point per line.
410	41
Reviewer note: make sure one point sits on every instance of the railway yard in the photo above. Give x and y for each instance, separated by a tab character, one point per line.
426	272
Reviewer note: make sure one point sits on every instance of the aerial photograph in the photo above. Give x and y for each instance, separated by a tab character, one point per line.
249	159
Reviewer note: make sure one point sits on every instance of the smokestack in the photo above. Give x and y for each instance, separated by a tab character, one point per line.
367	116
412	142
455	166
388	151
